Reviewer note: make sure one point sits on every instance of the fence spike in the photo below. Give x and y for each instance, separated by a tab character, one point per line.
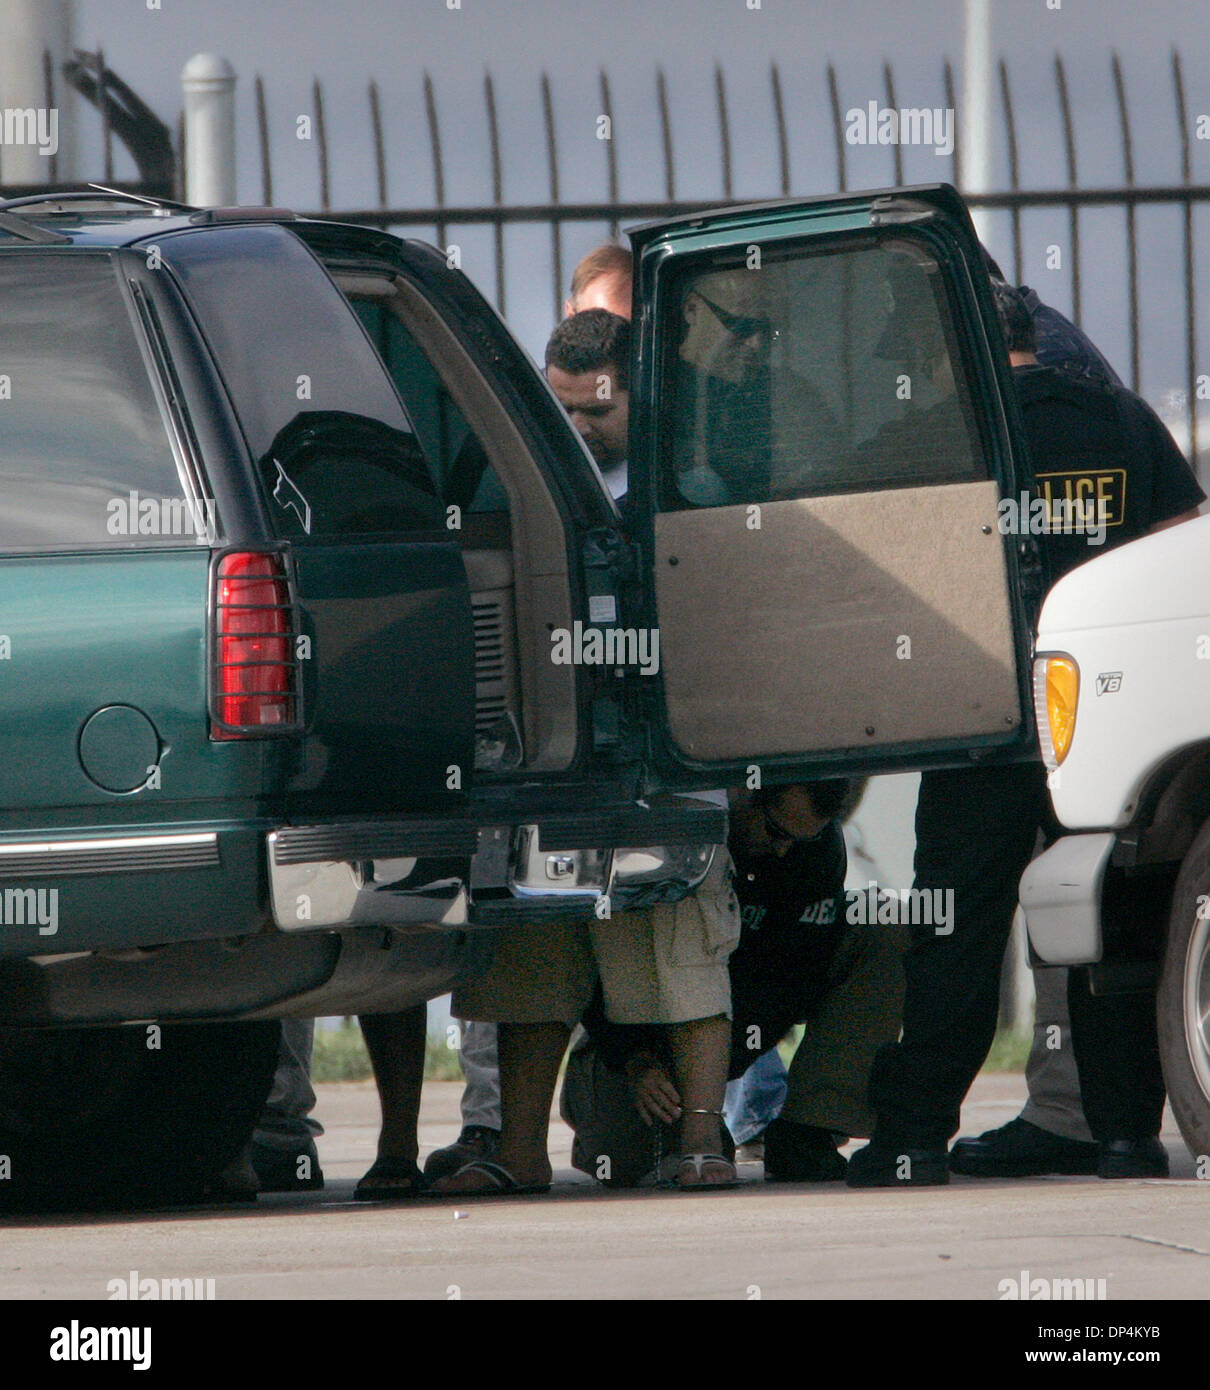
661	91
430	111
888	78
1014	171
1132	247
842	177
262	139
1073	214
1182	121
493	131
556	227
724	129
611	154
779	119
380	163
321	144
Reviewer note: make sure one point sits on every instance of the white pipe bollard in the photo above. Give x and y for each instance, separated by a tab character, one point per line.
208	82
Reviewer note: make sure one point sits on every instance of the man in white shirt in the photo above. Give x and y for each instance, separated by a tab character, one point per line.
587	363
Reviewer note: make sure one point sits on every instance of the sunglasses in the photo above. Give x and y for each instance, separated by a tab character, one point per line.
778	835
776	832
740	325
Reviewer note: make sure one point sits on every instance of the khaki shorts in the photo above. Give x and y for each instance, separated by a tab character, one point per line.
665	964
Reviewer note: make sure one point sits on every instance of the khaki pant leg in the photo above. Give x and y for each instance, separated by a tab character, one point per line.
828	1080
541	974
1052	1077
668	963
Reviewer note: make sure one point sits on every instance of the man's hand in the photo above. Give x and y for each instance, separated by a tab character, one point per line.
657	1099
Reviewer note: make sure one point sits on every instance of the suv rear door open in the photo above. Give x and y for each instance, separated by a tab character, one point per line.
820	441
557	753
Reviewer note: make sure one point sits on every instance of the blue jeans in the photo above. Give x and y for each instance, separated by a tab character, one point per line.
756	1098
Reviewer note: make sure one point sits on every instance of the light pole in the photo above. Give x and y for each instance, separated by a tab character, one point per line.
30	29
977	105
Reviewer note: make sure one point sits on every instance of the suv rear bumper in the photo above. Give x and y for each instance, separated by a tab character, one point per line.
412	872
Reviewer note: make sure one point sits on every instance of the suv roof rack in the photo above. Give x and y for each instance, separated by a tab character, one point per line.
29	231
93	193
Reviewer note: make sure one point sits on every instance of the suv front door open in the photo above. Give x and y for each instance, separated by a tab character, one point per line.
820	446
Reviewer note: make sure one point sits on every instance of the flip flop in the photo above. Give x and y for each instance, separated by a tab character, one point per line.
697	1160
390	1180
503	1182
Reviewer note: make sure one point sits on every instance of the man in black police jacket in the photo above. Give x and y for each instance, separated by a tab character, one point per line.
976	827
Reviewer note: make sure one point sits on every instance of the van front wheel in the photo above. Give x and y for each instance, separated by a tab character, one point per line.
1183	1001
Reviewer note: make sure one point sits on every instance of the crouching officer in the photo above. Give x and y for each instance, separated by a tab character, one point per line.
798	961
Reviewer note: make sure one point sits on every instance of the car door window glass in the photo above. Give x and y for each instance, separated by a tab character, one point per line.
85	457
815	373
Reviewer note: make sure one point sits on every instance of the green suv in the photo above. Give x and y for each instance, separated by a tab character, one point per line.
324	652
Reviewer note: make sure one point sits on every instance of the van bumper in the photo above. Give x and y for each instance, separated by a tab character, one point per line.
1061	899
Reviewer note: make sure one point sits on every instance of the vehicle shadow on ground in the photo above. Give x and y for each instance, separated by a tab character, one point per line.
337	1198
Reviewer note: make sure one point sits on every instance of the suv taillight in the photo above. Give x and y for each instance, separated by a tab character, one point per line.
254	682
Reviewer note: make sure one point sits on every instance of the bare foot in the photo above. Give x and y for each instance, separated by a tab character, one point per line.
485	1177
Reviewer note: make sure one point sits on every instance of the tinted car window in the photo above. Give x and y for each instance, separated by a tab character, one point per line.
457	457
816	372
335	451
85	458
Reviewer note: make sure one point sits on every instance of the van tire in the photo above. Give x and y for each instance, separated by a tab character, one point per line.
127	1117
1183	999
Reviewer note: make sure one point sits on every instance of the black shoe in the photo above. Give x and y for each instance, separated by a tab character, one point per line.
881	1164
801	1153
287	1170
1132	1158
475	1142
1020	1149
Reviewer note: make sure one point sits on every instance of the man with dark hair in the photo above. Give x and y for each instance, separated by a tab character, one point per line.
588	365
1015	321
976	828
1058	342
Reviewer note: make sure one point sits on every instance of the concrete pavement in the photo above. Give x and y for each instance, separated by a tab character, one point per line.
1145	1239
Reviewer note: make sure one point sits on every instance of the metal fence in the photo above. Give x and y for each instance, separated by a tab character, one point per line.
497	212
125	121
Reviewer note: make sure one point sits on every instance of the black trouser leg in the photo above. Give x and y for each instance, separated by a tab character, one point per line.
1118	1058
1114	1035
976	829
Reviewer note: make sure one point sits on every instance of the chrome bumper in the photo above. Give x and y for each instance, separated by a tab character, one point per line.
510	876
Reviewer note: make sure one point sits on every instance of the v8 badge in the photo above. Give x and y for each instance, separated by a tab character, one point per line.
1109	682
